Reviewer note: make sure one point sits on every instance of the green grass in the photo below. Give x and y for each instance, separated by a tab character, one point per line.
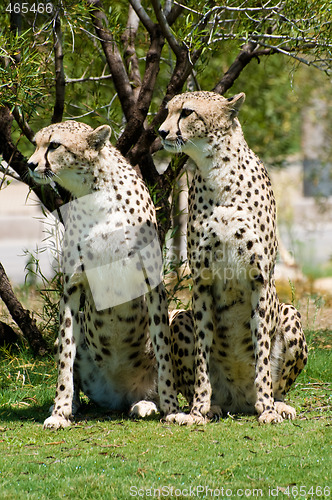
107	456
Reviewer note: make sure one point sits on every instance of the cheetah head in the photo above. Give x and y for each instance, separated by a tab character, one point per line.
196	118
64	153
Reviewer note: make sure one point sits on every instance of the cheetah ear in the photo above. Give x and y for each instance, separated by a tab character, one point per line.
235	103
99	137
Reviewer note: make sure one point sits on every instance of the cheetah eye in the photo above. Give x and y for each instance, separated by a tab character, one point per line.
186	112
53	146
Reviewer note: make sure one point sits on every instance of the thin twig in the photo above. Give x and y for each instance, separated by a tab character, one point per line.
88	79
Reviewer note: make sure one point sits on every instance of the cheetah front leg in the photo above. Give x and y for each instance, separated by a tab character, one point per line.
262	344
203	334
68	339
183	352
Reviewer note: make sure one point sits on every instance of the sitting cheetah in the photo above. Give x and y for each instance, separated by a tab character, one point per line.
114	331
248	348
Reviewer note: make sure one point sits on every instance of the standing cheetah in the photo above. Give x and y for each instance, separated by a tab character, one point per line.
248	348
114	340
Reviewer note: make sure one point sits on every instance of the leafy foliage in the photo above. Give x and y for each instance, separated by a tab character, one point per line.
211	33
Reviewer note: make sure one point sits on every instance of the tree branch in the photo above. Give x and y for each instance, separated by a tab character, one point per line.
8	336
130	56
241	61
182	70
143	16
134	127
24	126
174	14
18	163
89	79
60	82
165	29
113	58
21	316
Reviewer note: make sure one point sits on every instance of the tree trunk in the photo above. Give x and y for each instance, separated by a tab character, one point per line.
21	316
7	335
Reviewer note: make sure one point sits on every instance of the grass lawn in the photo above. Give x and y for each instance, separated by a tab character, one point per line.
108	456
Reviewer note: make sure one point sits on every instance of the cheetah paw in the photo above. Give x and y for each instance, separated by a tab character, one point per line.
179	418
284	410
56	422
143	409
270	417
198	418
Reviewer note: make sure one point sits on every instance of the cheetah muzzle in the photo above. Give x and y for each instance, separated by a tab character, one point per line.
243	348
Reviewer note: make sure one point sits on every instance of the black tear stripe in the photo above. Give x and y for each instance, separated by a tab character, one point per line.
178	132
48	170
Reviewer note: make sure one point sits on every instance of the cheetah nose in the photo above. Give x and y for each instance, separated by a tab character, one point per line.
163	133
32	166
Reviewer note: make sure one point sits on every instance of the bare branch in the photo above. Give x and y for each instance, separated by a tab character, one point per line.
166	30
235	9
241	61
143	16
294	55
113	58
183	68
174	13
180	74
88	79
134	126
134	130
60	83
130	56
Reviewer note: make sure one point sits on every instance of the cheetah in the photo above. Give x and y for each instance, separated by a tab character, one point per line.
245	348
114	339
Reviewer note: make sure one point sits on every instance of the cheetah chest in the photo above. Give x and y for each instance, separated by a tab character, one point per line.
218	244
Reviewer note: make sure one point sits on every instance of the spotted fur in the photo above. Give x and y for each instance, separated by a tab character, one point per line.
119	355
245	348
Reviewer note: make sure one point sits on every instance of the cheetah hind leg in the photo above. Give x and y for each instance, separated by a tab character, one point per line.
288	358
